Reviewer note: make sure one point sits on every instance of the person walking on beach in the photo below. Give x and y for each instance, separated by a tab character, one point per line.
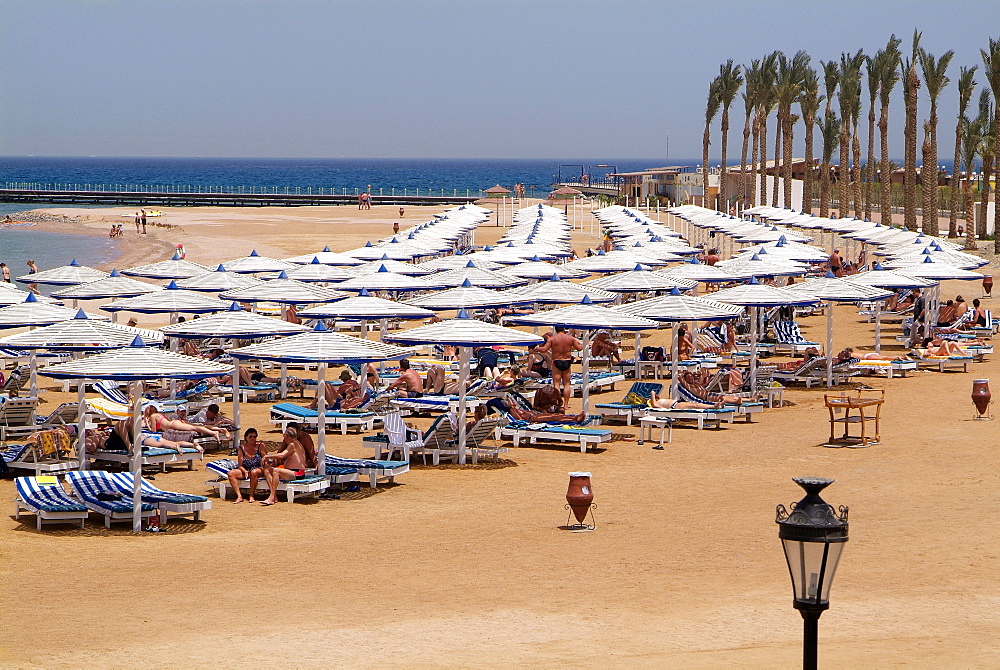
142	218
138	223
33	269
561	346
6	272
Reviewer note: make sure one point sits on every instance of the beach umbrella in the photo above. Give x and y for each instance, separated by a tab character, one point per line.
13	296
539	269
464	333
755	295
709	274
324	347
370	252
638	280
890	279
615	261
255	263
588	317
33	312
364	307
678	308
466	296
460	261
174	268
477	277
794	251
172	300
135	362
763	266
318	272
384	280
326	257
556	291
67	275
834	289
217	281
399	267
112	286
284	290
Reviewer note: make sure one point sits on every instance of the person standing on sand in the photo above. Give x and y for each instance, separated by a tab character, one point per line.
6	272
138	223
33	269
561	346
142	218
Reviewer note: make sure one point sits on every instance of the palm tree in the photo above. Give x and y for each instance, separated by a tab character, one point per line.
858	205
765	103
991	68
911	83
849	99
791	74
752	75
971	138
873	64
935	78
966	87
831	78
829	128
987	133
711	109
730	81
809	107
888	71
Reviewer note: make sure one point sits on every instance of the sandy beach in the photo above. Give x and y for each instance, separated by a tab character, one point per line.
465	566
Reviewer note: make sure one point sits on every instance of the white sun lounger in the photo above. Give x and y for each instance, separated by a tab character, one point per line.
48	501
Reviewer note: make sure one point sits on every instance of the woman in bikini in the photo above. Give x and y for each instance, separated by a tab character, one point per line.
120	439
666	403
250	464
157	423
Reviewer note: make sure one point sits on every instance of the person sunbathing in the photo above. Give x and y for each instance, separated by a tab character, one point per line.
156	422
872	356
603	346
693	385
532	416
119	438
250	464
286	465
666	403
346	396
435	384
937	347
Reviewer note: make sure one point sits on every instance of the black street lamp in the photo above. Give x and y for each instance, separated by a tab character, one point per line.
813	536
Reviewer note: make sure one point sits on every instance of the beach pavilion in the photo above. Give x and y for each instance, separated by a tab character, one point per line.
133	363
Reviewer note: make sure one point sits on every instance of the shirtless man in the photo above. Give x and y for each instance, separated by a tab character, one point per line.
409	382
561	346
836	265
286	465
305	439
666	403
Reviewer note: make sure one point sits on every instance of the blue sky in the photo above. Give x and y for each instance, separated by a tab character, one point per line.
428	79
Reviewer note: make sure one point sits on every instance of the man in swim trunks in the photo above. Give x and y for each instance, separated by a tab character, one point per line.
561	346
836	265
287	465
410	384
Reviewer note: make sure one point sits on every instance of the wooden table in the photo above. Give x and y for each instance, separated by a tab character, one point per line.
868	404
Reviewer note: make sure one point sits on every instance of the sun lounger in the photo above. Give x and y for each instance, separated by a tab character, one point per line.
396	436
64	414
788	336
17	417
311	484
375	470
48	501
179	504
286	412
100	496
813	372
151	456
582	435
435	403
598	380
51	453
699	416
746	409
941	363
633	405
255	393
888	368
478	439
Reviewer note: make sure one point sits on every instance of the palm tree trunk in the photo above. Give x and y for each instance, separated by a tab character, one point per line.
856	177
955	180
723	202
742	193
928	181
824	189
755	130
763	159
996	208
776	174
885	172
843	170
910	150
807	183
985	196
970	211
786	160
704	165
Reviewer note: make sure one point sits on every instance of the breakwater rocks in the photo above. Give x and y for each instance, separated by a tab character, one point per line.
41	217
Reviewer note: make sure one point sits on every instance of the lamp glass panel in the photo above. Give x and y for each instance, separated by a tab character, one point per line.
805	562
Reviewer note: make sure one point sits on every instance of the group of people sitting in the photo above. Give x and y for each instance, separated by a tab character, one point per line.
159	431
291	460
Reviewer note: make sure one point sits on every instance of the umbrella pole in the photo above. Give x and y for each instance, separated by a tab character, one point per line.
33	366
321	423
136	457
878	327
464	355
81	422
674	354
638	348
586	372
829	343
284	380
236	402
173	382
753	346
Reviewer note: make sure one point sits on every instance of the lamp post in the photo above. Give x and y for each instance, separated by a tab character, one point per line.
813	536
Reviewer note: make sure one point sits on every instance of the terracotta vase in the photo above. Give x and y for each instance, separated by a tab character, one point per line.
981	395
580	494
988	284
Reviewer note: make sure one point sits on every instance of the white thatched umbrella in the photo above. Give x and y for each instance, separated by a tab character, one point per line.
218	280
543	270
112	286
460	261
174	268
467	296
890	279
478	277
931	269
33	312
326	257
399	267
616	261
588	317
556	291
384	280
315	271
284	290
13	296
638	280
172	300
709	274
255	263
464	333
324	347
134	363
67	275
